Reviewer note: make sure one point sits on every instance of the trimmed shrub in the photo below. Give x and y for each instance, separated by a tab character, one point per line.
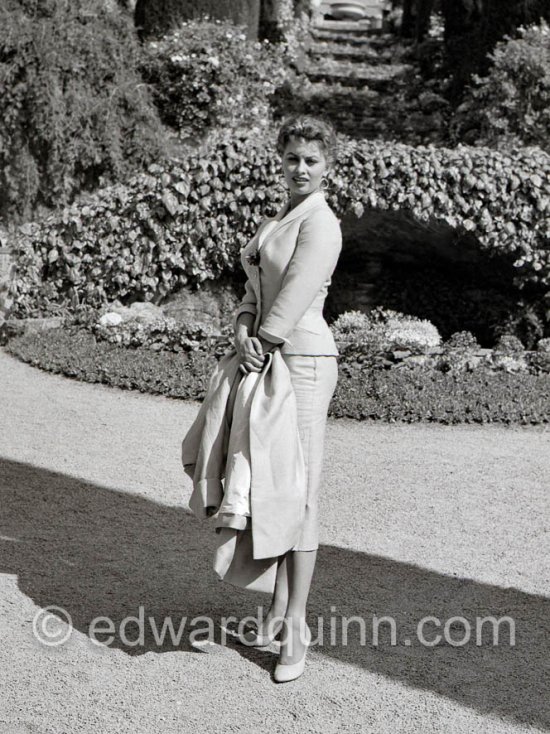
414	395
75	111
464	340
509	344
74	352
386	329
185	222
511	105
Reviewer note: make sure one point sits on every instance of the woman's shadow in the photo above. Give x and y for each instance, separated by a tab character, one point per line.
96	552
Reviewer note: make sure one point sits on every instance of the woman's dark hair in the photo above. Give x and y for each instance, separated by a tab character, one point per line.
308	128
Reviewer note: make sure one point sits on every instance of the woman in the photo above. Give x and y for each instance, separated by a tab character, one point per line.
289	264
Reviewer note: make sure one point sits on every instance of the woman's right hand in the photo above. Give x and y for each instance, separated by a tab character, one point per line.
249	349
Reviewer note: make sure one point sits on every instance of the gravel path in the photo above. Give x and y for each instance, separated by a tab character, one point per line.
417	520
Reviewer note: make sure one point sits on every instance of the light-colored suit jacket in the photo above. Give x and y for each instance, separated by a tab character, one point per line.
286	290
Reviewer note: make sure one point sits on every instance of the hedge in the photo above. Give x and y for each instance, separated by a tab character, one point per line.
185	222
408	395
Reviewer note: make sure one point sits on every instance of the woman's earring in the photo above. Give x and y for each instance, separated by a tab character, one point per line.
324	183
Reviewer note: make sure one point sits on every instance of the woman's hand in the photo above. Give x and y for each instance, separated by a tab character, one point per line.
251	354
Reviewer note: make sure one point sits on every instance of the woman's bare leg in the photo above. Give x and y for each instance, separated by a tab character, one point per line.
279	601
300	567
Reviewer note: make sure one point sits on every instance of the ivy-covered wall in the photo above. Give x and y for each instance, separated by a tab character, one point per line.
186	222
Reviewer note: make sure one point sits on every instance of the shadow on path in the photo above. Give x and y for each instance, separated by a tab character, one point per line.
95	551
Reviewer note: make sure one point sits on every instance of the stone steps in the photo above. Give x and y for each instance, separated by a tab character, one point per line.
353	60
380	77
344	52
361	78
356	39
354	27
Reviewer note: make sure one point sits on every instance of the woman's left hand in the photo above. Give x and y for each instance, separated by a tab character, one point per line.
266	346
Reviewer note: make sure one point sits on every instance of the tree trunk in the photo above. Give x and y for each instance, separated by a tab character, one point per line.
423	15
408	21
416	18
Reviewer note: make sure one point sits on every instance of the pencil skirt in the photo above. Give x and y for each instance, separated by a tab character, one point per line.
314	379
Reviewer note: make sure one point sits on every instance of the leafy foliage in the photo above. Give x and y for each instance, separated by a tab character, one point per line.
75	353
509	344
162	334
74	109
415	395
156	18
511	105
462	340
185	222
473	27
387	329
206	74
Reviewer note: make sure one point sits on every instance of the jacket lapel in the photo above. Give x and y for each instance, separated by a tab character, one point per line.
281	219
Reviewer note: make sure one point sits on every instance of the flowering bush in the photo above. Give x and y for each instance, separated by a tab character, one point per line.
509	344
385	329
511	105
539	361
509	354
351	324
160	334
458	353
205	74
412	333
145	325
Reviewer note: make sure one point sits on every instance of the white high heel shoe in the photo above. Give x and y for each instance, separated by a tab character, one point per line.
254	639
290	671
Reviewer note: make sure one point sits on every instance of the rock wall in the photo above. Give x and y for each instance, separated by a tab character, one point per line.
211	307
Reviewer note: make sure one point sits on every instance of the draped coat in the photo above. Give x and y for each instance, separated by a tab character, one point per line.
277	469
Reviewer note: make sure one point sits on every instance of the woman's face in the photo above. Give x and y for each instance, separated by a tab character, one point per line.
304	164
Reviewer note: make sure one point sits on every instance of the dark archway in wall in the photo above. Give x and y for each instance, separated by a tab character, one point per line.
427	270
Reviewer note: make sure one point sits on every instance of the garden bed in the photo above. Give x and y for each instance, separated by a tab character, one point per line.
409	393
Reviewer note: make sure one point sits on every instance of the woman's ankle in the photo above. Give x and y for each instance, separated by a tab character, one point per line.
295	619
